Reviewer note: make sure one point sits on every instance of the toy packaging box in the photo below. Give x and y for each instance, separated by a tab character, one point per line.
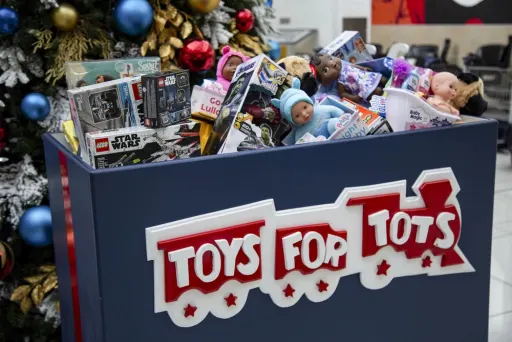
139	145
84	73
350	47
247	119
103	106
383	66
373	122
166	98
206	103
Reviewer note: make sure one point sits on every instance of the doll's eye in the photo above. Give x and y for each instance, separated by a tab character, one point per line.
326	70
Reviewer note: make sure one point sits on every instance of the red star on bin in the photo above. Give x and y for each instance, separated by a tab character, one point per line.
383	268
190	310
288	291
231	300
426	262
322	286
412	127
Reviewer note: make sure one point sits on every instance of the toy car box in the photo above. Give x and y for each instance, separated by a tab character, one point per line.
247	119
103	106
84	73
374	123
166	98
139	145
350	47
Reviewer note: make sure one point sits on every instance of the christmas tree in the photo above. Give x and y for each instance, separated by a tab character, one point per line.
36	39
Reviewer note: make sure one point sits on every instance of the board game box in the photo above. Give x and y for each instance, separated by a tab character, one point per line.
166	98
139	145
350	47
247	119
103	106
84	73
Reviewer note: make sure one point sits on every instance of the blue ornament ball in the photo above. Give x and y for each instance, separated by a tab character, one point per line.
133	17
270	3
9	20
35	227
35	106
275	50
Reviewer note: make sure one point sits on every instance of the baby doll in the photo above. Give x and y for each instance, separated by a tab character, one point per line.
341	78
444	88
297	108
227	65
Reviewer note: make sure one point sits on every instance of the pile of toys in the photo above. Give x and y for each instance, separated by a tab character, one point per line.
133	113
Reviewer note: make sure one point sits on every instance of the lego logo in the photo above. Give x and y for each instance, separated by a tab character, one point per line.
102	145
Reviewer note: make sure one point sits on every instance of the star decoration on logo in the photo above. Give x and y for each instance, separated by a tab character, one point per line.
190	310
288	291
383	268
426	262
436	122
412	127
231	300
322	286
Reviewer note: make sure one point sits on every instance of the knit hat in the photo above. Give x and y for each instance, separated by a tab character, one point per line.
289	99
226	54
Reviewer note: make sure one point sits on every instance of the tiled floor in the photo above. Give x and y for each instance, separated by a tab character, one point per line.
500	308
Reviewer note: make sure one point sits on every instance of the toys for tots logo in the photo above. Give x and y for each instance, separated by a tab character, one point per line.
209	264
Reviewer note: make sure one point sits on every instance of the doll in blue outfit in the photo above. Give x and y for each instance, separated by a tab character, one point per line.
297	108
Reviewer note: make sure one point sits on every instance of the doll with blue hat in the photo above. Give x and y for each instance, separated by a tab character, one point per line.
297	108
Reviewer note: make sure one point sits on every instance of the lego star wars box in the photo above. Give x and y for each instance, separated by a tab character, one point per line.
350	47
166	98
139	145
103	106
84	73
247	119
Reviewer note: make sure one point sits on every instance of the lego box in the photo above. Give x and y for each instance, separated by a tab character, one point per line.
104	106
84	73
140	145
166	98
350	47
247	120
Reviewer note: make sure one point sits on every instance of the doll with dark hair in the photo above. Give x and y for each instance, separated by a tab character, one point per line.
104	78
81	83
343	79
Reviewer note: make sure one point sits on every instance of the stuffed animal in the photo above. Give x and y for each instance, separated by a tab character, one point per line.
297	108
470	91
301	68
227	65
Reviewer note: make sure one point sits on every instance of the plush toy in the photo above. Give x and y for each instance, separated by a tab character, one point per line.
297	108
444	88
227	65
469	99
341	79
301	68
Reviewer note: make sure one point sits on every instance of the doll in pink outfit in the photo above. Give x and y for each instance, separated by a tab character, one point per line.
227	65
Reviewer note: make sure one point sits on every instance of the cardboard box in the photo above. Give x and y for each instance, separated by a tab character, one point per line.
350	47
206	103
166	98
382	65
103	106
140	145
84	73
247	119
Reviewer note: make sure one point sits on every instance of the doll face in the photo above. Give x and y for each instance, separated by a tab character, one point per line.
302	112
230	67
100	79
445	86
328	69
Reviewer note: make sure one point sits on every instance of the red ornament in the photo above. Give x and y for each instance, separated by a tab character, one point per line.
190	310
383	268
322	286
426	262
244	20
231	300
197	56
6	260
288	291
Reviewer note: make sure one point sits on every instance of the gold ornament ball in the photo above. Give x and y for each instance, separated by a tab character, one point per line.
65	17
203	6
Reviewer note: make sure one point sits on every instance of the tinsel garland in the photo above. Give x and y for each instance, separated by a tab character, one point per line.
20	187
214	25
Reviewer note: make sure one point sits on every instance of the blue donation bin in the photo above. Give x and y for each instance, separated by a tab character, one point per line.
381	238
